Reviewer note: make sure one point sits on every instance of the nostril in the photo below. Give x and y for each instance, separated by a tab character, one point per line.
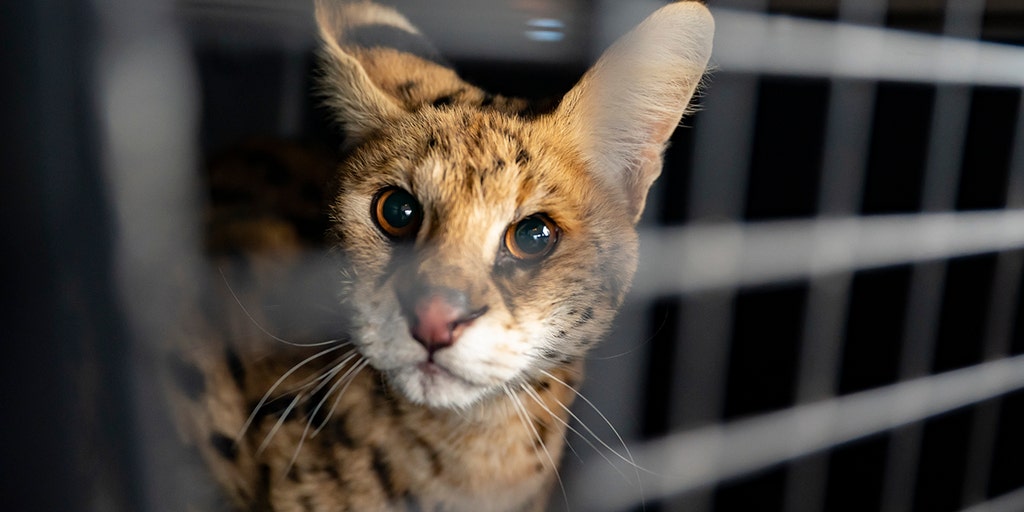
436	322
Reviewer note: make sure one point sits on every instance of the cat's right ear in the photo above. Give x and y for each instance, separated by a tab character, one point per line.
357	103
623	111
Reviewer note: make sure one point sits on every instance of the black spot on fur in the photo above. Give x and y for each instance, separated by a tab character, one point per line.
383	472
542	433
307	503
235	367
317	407
273	407
443	101
586	316
341	433
523	157
551	355
432	454
225	446
293	474
384	399
262	499
405	88
188	378
488	100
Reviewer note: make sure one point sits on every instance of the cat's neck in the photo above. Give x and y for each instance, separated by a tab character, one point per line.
502	449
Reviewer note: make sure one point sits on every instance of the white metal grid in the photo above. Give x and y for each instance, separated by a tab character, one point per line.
713	256
719	257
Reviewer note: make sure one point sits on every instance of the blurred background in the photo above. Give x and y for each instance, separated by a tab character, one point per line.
828	311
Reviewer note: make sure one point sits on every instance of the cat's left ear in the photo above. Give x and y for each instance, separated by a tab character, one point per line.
358	104
627	105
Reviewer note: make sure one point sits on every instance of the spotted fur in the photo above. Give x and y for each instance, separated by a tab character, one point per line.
371	419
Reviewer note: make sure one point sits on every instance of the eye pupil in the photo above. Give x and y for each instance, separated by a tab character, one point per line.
399	209
397	212
532	236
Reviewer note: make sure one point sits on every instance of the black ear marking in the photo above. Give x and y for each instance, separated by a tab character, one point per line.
443	101
405	88
403	41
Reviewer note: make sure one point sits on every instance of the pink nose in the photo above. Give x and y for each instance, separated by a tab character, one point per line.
437	323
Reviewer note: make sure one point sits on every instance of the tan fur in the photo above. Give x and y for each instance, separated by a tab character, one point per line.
481	426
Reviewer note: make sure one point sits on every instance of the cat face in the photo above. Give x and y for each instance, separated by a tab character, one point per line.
515	247
484	246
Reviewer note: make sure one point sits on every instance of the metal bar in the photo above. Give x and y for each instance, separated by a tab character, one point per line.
1009	502
696	458
927	281
704	257
998	332
721	164
843	167
782	45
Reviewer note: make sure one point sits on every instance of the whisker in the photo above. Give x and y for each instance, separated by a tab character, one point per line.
284	415
266	396
277	424
625	458
298	398
629	455
520	408
311	380
259	325
348	378
536	398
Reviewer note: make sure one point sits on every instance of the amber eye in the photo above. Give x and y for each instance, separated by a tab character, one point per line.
531	238
397	212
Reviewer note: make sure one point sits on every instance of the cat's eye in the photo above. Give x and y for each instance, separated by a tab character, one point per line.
397	212
531	238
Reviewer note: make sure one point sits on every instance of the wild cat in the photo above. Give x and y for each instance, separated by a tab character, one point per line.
481	246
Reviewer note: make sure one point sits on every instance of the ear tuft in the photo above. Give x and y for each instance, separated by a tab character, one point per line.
626	107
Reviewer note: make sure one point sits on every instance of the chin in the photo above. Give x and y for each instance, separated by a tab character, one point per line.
431	385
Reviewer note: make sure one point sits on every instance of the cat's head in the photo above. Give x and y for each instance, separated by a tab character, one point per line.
483	247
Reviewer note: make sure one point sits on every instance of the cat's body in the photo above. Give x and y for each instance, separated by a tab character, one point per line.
482	248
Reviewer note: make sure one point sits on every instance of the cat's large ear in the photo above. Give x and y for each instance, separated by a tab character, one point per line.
358	104
626	106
